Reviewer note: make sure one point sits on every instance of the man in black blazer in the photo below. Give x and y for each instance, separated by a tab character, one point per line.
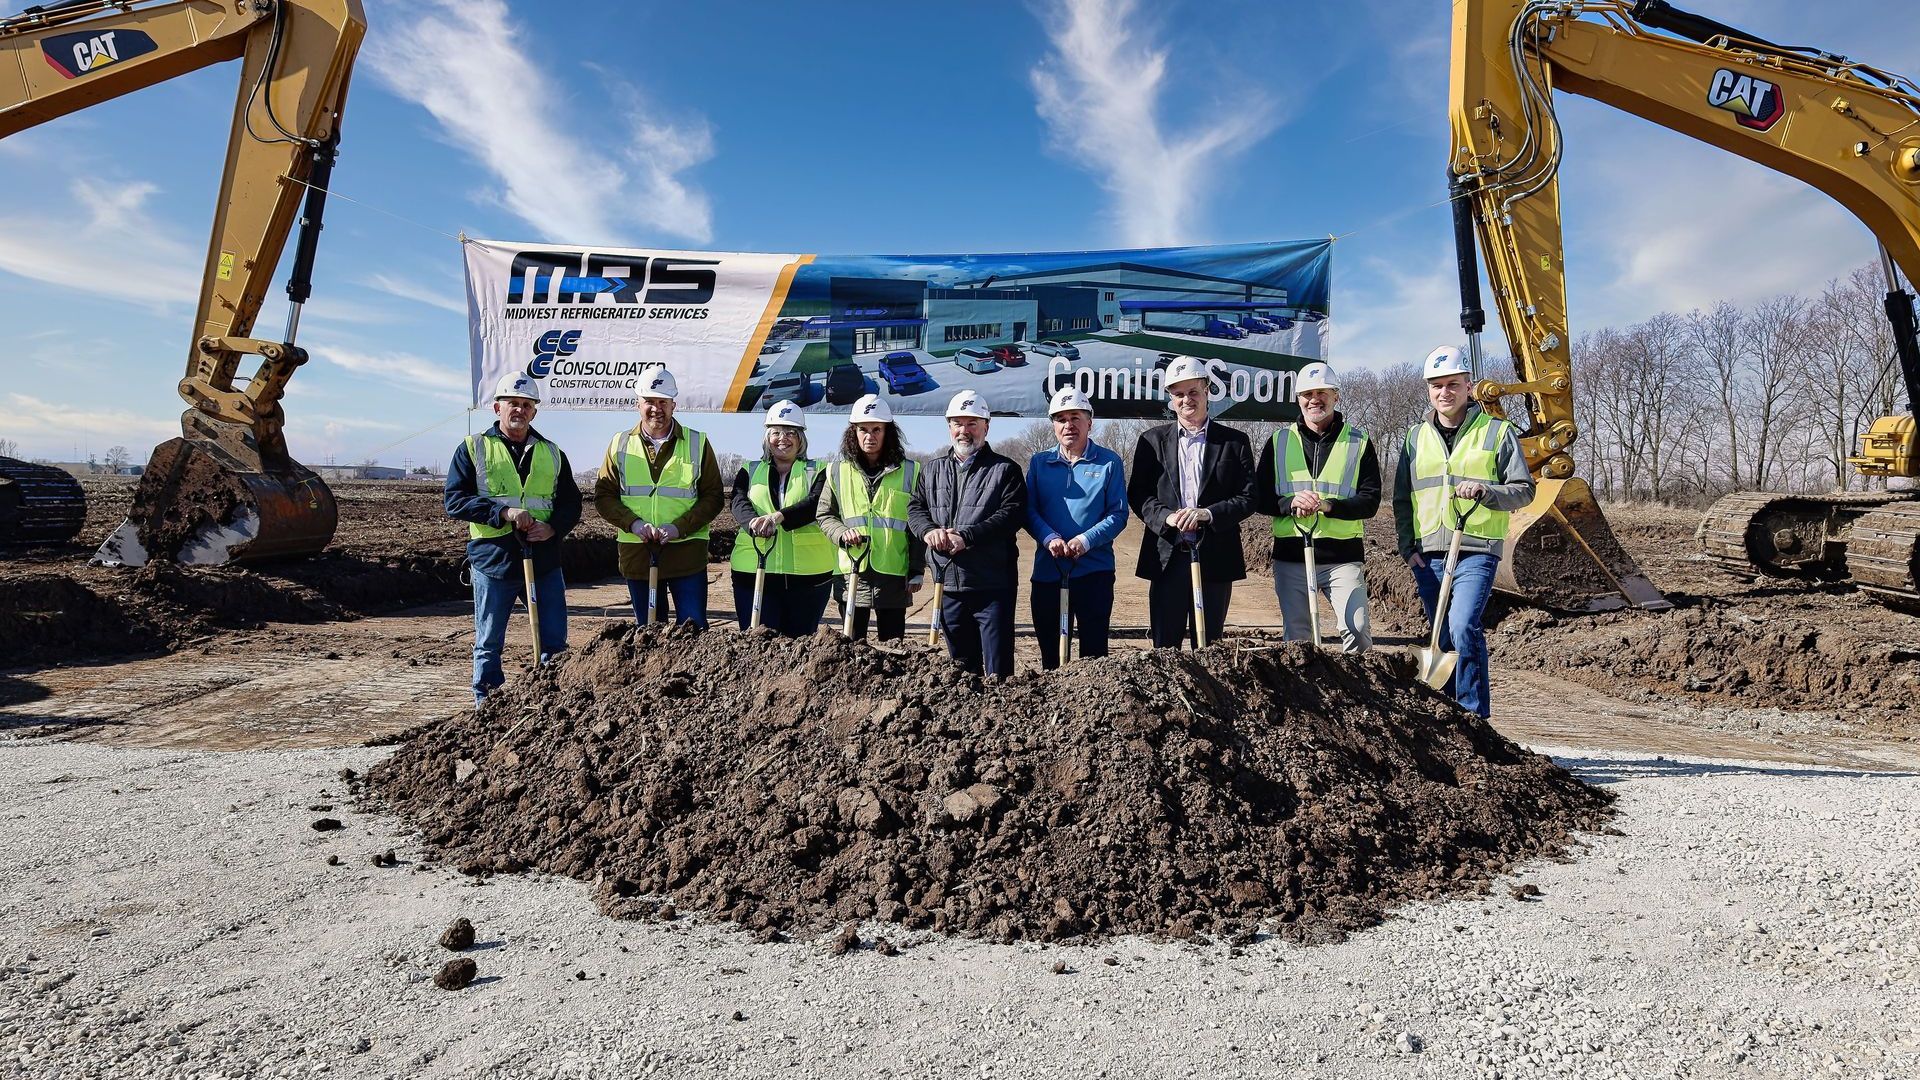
1192	484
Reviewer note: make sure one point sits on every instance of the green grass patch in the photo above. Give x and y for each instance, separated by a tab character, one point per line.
813	357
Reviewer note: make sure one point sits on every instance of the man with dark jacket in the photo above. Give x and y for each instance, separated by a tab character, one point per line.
1320	480
515	490
968	506
1192	485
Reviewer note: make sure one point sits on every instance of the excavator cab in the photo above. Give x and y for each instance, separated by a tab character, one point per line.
227	489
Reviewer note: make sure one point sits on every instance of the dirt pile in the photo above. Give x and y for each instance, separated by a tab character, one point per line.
395	547
792	785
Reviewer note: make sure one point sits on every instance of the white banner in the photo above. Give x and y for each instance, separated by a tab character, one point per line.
584	322
742	331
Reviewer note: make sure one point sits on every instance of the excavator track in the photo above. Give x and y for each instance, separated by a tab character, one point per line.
1872	538
1883	553
39	504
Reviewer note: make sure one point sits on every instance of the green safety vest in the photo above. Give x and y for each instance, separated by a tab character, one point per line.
805	550
1339	479
658	500
1475	456
498	480
883	520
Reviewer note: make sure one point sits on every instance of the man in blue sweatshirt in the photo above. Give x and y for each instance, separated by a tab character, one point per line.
515	491
1076	507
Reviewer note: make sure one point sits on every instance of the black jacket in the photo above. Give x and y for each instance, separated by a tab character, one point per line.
1364	504
987	503
1226	489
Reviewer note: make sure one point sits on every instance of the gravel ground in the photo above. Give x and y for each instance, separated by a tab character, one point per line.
174	914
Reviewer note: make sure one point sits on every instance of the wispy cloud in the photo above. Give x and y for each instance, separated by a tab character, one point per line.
464	64
1395	310
412	289
401	369
47	424
1100	91
62	246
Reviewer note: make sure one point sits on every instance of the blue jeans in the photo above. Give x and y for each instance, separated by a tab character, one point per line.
790	604
1472	584
979	627
688	593
493	599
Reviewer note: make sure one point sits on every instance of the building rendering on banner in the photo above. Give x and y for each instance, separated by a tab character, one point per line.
879	315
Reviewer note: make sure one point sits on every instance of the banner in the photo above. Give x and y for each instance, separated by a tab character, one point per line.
742	331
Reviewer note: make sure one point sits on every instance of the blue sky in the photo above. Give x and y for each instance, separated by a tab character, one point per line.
872	127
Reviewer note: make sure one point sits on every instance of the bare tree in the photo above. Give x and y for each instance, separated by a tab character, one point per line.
117	458
1772	333
9	448
1716	340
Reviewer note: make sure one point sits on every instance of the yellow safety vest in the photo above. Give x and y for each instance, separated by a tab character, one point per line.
1475	456
883	520
658	500
805	550
498	480
1339	479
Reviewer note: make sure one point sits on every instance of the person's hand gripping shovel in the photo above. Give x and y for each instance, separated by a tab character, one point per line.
760	575
1436	667
857	557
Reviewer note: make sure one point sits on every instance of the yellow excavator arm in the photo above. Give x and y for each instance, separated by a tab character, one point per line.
1849	130
228	489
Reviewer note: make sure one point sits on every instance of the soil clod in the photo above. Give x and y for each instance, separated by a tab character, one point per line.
458	936
455	974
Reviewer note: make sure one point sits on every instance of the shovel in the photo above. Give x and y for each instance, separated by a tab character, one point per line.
933	619
1313	581
759	577
1066	625
533	606
1199	597
853	585
653	583
1436	667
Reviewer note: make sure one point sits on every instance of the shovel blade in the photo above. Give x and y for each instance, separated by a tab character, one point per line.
1436	667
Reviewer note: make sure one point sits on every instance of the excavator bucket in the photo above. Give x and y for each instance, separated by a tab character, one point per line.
212	498
1562	554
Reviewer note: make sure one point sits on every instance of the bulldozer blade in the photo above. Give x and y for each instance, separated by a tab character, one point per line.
1562	554
211	498
1436	667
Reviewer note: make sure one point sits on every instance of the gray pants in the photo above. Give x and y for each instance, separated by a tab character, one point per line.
1345	586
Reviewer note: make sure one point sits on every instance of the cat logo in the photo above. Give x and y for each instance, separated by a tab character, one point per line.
1755	103
74	55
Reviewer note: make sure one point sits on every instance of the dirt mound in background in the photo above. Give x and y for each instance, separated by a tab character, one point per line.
794	784
395	547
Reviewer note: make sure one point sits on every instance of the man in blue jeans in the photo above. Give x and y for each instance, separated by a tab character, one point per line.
1458	460
515	491
1076	506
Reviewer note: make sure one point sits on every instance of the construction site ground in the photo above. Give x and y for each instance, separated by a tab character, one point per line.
169	910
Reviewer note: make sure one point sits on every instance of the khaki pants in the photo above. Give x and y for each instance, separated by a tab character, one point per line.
1345	586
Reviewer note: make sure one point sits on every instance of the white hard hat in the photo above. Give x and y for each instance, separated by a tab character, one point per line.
657	382
1183	368
517	384
1445	360
1315	377
871	409
1067	399
969	403
786	414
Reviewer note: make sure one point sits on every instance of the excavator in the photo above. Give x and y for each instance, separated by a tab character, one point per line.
1848	129
227	490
